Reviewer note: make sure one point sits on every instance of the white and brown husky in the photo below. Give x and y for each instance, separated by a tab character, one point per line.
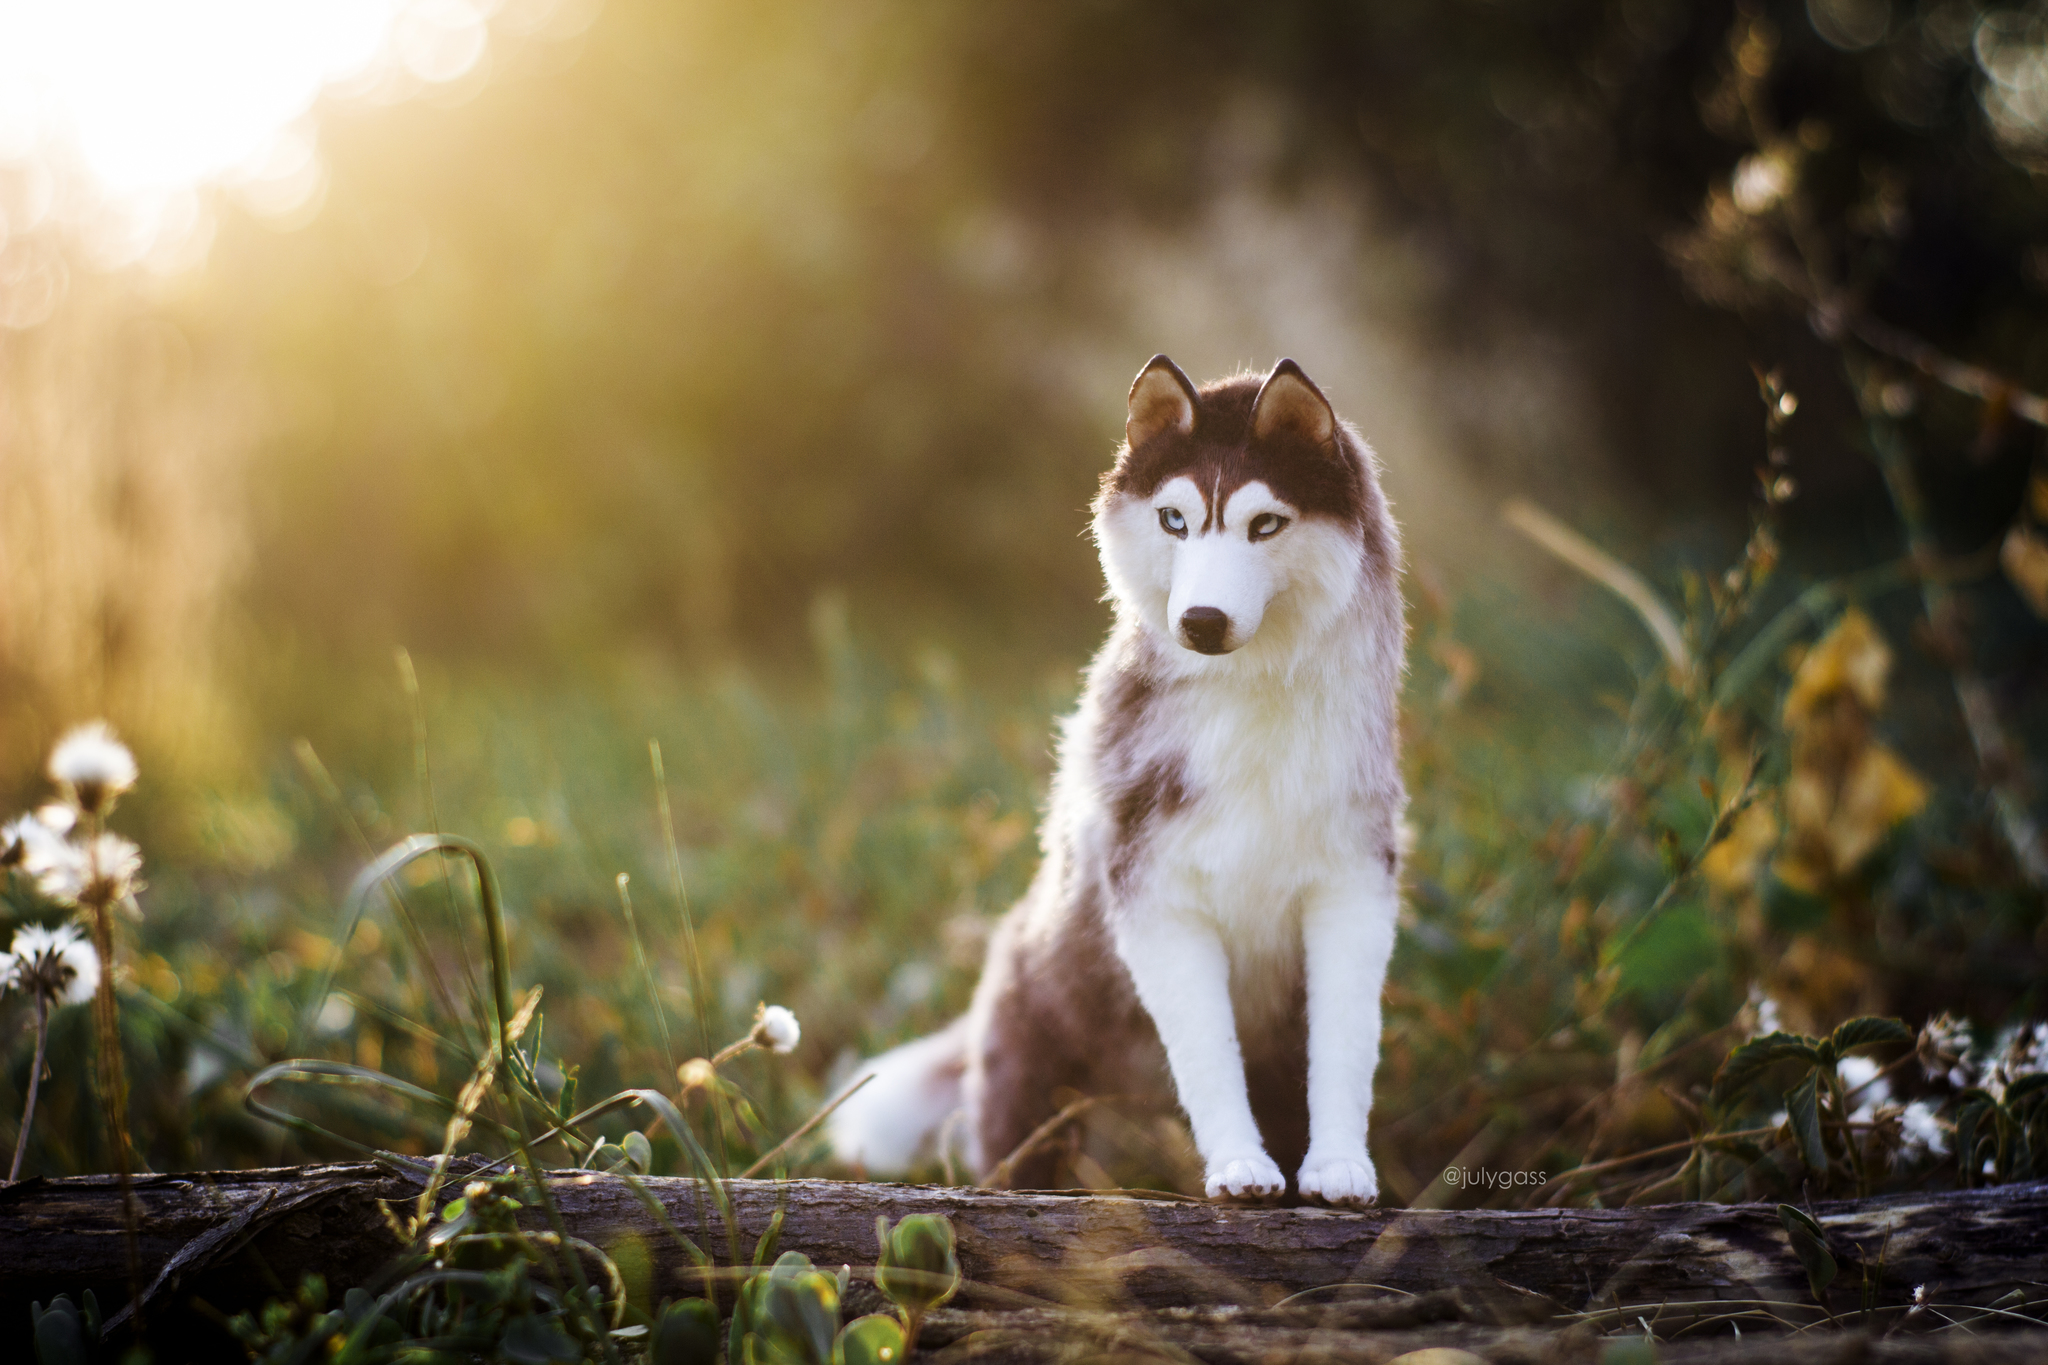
1221	870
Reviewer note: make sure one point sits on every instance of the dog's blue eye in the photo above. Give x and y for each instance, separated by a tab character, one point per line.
1266	525
1172	522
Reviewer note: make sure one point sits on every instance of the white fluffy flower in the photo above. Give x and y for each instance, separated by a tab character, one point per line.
776	1029
1860	1083
1944	1048
57	964
34	843
101	872
1923	1132
92	767
2021	1050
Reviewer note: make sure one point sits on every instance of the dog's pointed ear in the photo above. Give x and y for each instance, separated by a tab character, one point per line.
1288	402
1162	400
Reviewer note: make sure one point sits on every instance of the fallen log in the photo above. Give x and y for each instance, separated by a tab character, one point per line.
233	1238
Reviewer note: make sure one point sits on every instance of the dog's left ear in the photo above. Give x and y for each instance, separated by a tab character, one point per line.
1288	402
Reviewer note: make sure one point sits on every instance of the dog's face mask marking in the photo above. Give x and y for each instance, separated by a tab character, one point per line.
1231	511
1224	565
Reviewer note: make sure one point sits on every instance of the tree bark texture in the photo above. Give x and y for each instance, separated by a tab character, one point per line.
234	1238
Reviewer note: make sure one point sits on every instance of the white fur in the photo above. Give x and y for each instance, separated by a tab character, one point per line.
1276	723
1274	861
888	1124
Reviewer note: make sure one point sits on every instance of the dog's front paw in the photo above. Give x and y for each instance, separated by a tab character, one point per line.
1251	1176
1349	1181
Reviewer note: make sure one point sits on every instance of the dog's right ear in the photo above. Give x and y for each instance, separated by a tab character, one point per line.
1162	400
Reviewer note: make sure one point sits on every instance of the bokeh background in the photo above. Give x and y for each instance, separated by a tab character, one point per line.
410	411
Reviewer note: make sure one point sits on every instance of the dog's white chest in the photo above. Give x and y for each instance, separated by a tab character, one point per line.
1271	809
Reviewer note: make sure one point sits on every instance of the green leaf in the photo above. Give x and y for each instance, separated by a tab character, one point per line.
745	1310
1668	957
59	1334
686	1334
1974	1107
2024	1089
918	1269
538	1341
1802	1112
872	1340
1746	1062
1810	1244
764	1250
798	1317
1869	1029
638	1150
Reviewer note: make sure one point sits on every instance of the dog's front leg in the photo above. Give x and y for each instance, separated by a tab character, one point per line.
1347	934
1183	980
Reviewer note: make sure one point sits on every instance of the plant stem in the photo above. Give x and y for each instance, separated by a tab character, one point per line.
35	1080
113	1074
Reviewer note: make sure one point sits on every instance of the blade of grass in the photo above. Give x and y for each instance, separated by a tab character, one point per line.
425	773
682	894
825	1113
1609	572
330	790
668	1050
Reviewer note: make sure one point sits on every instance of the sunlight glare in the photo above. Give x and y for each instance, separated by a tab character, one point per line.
157	97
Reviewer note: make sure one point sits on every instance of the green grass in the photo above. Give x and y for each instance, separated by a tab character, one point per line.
847	836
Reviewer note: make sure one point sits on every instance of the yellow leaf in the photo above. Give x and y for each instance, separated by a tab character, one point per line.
2024	557
1731	865
1876	793
1852	657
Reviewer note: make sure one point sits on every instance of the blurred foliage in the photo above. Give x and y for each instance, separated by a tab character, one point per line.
591	385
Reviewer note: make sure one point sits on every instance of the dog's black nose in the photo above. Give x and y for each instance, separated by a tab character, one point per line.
1204	628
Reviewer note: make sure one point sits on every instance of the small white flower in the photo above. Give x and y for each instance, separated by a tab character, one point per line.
1860	1081
2021	1050
1760	182
57	964
776	1029
1763	1011
92	768
2027	1053
1923	1132
1944	1048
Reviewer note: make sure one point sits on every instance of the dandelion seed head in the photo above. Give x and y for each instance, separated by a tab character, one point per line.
102	871
57	964
776	1029
92	768
32	843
